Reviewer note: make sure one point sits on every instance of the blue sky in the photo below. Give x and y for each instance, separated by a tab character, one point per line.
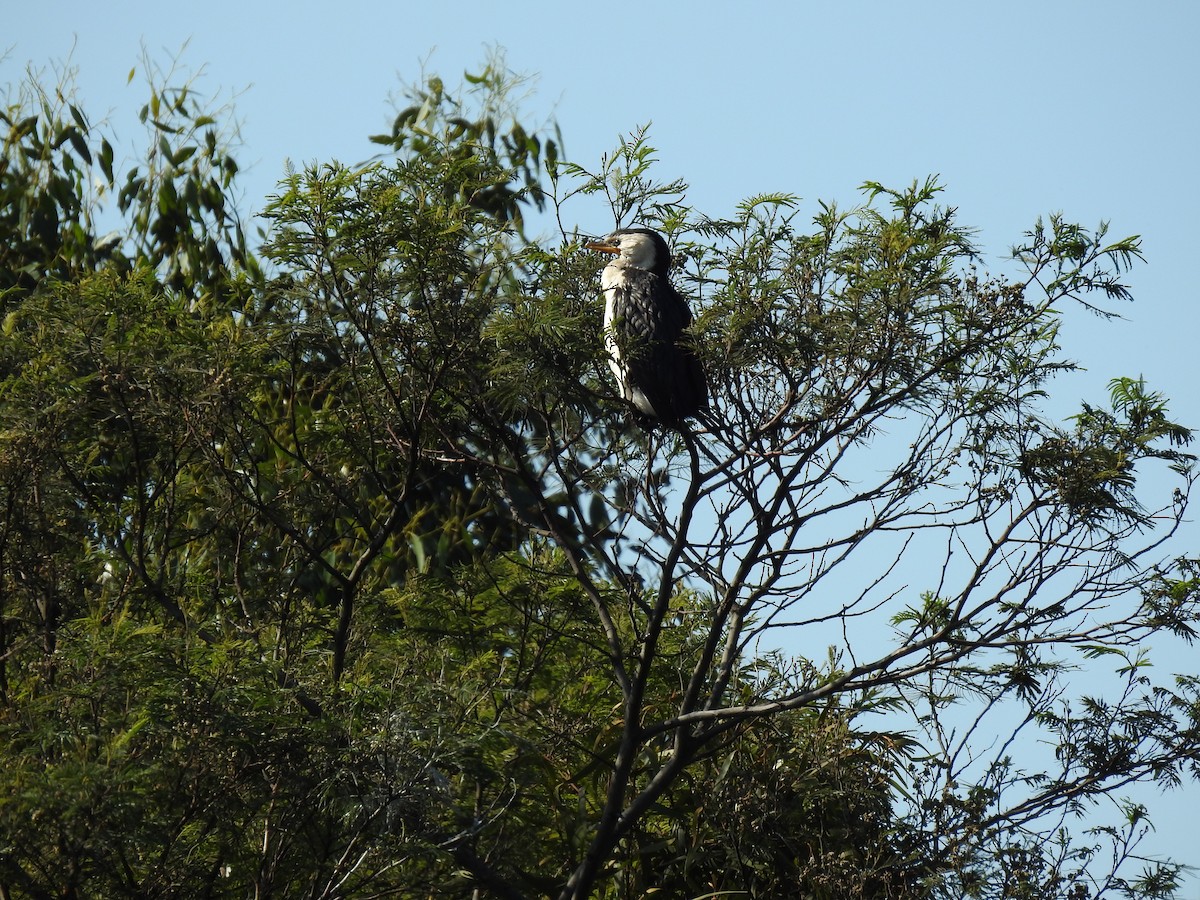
1022	108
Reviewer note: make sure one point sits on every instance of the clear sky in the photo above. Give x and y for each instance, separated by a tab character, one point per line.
1023	107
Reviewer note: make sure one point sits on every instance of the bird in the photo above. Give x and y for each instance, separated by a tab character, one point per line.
657	370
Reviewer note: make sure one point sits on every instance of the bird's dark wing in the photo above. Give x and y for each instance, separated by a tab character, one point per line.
649	319
675	309
691	390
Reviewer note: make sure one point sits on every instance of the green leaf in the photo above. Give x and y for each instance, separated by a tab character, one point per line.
78	116
106	160
80	144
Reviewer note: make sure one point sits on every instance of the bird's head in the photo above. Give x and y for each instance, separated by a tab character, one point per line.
639	248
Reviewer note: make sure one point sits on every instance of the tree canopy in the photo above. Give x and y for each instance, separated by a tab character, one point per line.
334	566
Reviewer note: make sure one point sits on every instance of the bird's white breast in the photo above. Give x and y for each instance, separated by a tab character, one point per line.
614	279
611	280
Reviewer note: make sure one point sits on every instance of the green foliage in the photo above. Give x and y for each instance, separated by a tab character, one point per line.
354	580
482	131
625	179
802	806
47	166
1091	471
175	214
1068	260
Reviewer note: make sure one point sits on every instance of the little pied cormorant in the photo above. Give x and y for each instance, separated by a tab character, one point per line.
644	320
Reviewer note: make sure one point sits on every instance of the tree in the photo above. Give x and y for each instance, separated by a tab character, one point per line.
345	574
873	335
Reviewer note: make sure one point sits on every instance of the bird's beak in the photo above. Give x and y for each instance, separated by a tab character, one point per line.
603	246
